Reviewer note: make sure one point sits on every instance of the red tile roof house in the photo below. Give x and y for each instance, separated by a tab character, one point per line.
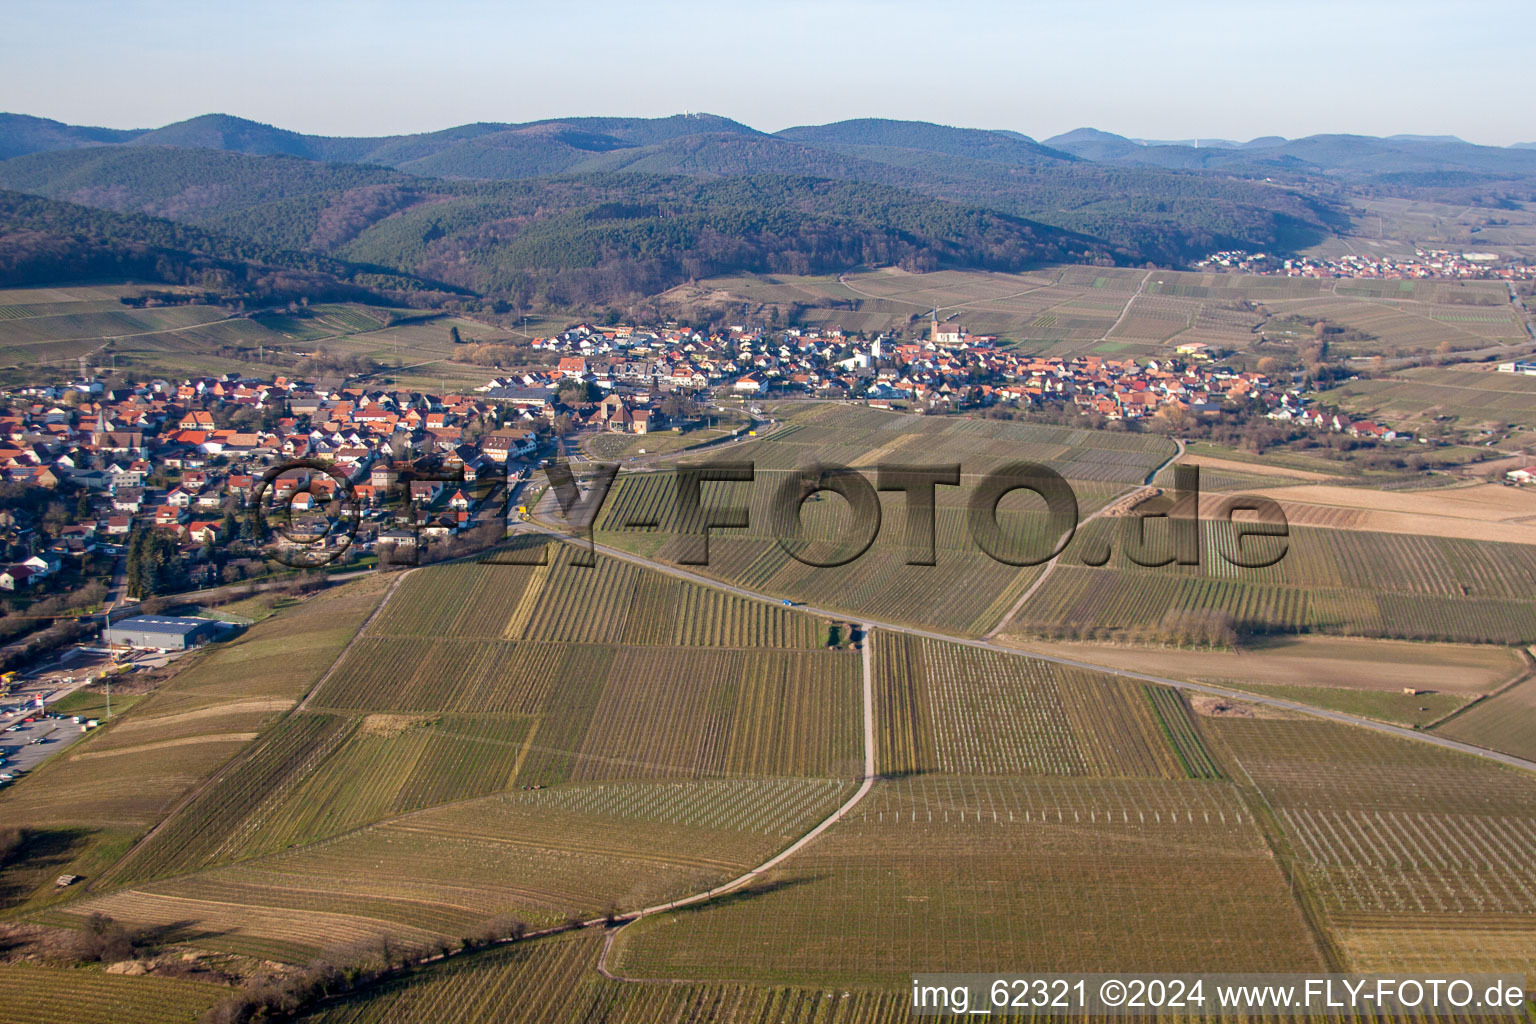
426	491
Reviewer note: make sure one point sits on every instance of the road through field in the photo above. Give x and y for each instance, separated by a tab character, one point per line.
865	785
1146	484
984	644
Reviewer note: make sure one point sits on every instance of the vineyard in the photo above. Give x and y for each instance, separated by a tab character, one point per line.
625	712
1419	855
1345	582
1063	874
953	709
49	995
966	590
613	602
221	819
99	795
1182	733
441	873
548	980
551	981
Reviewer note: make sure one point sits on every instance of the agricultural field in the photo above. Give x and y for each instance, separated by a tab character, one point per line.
53	328
624	713
1078	874
599	708
548	980
1365	677
950	709
85	816
439	874
1505	721
551	981
1488	512
614	445
1453	401
1421	858
965	591
51	995
1337	582
431	783
1065	311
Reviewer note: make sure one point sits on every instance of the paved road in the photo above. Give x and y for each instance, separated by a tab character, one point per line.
1180	684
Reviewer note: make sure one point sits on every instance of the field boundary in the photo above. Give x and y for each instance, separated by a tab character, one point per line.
1527	670
1509	760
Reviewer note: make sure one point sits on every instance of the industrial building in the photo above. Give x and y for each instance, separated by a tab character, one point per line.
163	632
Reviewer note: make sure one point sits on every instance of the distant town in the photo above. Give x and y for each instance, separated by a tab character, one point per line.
1426	264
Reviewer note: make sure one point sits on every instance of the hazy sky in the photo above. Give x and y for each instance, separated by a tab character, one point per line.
1176	69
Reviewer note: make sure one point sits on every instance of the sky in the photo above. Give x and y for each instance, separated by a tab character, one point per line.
1178	69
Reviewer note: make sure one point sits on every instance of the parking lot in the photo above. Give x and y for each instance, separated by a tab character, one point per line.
26	747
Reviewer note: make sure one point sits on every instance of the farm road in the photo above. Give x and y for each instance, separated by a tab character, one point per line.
1132	496
1280	703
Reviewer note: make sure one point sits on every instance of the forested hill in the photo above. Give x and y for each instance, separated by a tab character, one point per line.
566	241
199	168
43	241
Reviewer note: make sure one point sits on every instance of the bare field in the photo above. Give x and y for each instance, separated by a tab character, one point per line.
1256	468
1415	513
1387	665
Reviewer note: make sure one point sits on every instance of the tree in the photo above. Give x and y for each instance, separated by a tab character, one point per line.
576	392
453	335
562	425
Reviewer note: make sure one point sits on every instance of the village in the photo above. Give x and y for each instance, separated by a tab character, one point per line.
1426	264
162	473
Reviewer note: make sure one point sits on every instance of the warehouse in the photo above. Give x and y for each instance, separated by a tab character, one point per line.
163	632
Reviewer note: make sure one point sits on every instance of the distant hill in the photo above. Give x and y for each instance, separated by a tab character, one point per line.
595	238
1142	213
183	184
970	143
43	241
20	134
1355	158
